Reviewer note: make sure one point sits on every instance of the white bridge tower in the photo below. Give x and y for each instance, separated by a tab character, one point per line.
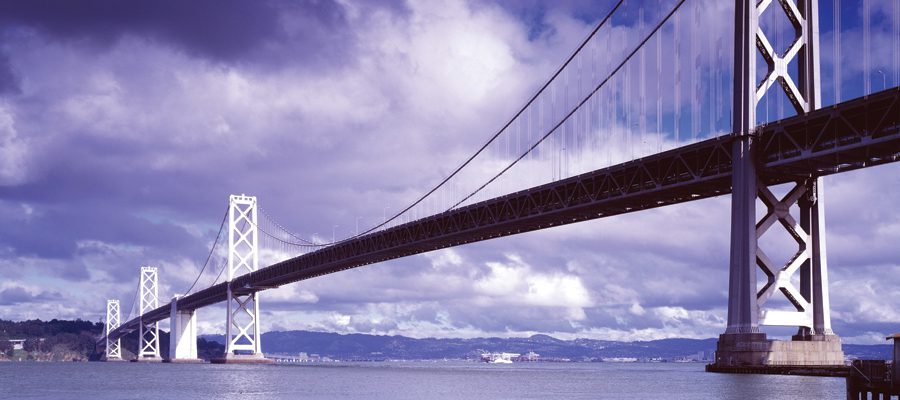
242	336
149	333
113	347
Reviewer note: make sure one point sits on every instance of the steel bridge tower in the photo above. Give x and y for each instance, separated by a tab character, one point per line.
148	343
743	343
242	336
113	347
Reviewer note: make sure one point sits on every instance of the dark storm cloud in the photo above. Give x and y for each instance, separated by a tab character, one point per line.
18	295
305	32
217	29
56	233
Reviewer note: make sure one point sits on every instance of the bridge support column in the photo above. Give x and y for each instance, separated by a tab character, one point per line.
148	343
182	335
743	344
113	347
242	336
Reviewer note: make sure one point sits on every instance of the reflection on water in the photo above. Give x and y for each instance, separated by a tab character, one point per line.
400	380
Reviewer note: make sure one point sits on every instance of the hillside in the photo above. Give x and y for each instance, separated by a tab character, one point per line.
62	340
361	346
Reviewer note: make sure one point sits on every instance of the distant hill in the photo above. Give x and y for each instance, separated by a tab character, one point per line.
362	346
74	340
376	347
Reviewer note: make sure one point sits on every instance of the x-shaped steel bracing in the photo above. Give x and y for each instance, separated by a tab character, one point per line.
242	249
777	64
149	335
243	257
779	278
113	347
245	306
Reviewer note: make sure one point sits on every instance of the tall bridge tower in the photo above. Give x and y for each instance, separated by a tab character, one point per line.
148	340
743	343
242	336
113	347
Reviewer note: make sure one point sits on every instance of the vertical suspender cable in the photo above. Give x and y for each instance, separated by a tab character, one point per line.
658	93
578	130
610	120
567	115
866	83
693	86
896	43
626	108
642	87
837	51
677	62
591	133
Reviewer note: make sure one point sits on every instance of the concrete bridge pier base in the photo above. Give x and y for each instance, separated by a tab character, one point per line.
256	358
755	350
183	335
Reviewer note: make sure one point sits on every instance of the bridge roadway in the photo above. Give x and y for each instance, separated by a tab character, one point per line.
855	134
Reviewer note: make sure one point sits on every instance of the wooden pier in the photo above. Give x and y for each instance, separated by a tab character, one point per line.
875	379
872	379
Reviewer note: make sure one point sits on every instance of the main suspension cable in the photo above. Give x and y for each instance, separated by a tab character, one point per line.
577	107
501	130
211	251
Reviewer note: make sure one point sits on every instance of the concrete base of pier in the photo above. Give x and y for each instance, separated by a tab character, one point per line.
113	359
184	361
148	360
747	351
804	370
242	359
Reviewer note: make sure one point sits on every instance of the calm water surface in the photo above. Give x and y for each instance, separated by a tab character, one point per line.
400	380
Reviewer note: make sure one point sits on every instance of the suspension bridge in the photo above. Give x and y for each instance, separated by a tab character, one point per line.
630	121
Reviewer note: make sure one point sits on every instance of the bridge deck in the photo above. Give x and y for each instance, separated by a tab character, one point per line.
855	134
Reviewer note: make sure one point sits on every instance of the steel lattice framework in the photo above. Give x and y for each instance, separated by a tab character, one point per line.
242	323
746	306
855	134
149	327
113	347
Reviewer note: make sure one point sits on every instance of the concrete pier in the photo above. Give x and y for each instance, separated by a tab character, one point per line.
819	355
183	336
148	359
256	358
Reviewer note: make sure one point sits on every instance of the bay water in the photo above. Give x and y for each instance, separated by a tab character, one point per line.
400	380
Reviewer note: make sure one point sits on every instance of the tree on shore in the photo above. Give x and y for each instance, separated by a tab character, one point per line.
6	347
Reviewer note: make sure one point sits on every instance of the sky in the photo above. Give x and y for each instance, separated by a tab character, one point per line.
125	126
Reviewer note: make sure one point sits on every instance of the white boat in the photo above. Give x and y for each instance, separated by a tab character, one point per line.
499	358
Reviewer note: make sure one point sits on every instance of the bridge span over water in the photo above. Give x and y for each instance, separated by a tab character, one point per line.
799	150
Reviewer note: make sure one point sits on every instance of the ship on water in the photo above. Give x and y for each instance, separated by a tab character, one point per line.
499	358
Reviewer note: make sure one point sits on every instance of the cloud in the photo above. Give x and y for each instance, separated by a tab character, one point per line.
12	295
13	148
123	129
224	29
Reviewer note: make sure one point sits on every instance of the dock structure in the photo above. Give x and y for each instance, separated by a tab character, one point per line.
875	379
